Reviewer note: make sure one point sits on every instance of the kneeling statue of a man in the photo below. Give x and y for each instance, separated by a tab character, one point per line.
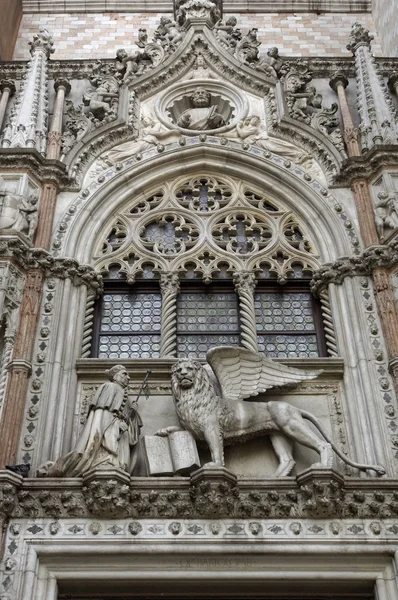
110	436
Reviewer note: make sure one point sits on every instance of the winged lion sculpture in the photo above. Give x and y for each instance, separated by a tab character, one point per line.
209	401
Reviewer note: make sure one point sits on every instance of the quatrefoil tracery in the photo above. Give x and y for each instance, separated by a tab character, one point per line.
209	227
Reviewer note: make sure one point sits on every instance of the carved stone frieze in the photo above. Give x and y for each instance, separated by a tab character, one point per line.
37	258
315	494
20	159
366	165
372	257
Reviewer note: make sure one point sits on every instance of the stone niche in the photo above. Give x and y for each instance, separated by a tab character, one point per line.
224	100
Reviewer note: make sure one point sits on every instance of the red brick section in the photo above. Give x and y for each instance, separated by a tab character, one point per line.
11	14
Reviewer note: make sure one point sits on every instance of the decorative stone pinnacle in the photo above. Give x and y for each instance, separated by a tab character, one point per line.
42	41
7	84
336	78
62	83
359	36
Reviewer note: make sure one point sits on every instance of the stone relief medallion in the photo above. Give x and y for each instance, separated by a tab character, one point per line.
201	105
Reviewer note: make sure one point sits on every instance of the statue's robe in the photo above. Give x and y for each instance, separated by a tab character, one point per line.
109	438
202	118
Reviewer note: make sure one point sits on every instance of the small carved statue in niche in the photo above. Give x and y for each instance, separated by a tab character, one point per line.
203	115
110	437
223	417
19	213
152	133
386	212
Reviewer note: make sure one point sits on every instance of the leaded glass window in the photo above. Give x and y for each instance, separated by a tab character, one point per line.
286	322
130	324
206	317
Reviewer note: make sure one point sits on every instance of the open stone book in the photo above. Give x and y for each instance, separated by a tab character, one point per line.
175	453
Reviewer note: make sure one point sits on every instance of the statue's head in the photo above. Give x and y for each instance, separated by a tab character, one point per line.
201	98
119	374
185	372
273	52
231	22
121	54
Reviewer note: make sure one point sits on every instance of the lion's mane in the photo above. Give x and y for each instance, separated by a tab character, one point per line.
195	404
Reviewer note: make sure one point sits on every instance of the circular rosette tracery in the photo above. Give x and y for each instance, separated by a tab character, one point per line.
203	194
169	234
243	233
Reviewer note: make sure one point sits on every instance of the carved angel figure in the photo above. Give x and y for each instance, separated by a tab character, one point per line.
209	401
151	133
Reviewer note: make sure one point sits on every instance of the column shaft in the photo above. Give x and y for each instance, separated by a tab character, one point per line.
365	210
14	402
48	199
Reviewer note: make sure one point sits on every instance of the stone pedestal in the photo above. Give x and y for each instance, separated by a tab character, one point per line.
107	492
214	476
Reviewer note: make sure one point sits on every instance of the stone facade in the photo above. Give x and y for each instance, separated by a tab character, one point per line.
168	187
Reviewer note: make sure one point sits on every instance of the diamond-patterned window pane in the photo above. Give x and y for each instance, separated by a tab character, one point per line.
130	325
206	320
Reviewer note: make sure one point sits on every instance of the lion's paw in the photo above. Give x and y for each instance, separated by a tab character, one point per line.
211	465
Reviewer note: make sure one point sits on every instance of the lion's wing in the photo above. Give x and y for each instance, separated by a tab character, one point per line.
242	373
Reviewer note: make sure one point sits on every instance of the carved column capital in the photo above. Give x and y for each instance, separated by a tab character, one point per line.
62	84
169	283
9	85
338	79
244	281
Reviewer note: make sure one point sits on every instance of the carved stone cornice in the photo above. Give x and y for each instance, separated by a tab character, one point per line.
367	165
83	69
29	258
314	493
31	160
373	257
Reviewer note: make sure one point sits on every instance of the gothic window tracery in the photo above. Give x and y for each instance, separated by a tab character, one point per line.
199	233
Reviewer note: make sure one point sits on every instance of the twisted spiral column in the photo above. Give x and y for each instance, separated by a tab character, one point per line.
330	336
245	283
88	326
170	288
